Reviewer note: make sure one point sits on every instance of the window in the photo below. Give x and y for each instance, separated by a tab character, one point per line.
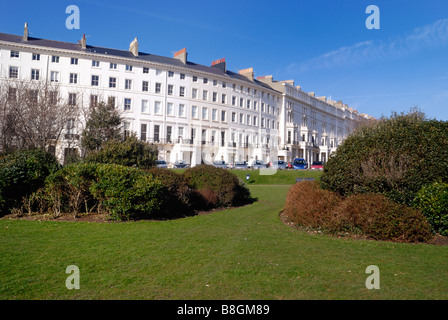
145	70
112	82
204	113
248	104
34	74
170	89
194	93
180	131
241	118
181	110
53	97
113	66
156	133
215	82
224	85
241	102
182	76
73	78
143	130
128	67
169	109
127	129
204	95
158	87
195	79
169	130
95	80
170	74
205	80
233	116
194	111
127	104
255	120
111	101
93	100
36	56
128	84
215	95
145	106
95	63
223	98
72	99
145	86
255	105
55	59
233	101
12	94
54	76
74	61
223	115
14	72
33	96
158	72
157	107
248	120
14	54
181	91
215	115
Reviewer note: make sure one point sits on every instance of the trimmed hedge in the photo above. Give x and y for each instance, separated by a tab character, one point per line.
21	174
395	157
217	187
370	215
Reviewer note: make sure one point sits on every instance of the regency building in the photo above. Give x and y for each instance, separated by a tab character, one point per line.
192	112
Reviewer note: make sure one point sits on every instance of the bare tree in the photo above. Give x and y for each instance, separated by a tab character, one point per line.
33	114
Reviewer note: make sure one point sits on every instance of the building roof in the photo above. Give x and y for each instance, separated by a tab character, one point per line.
142	56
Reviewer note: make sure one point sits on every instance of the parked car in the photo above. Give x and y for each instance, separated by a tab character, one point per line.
220	164
161	164
299	163
280	164
241	165
317	165
289	165
258	164
180	164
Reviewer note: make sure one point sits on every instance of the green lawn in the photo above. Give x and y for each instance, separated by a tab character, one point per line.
242	253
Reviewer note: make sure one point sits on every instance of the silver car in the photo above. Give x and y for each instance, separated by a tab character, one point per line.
240	165
220	164
161	164
258	164
280	165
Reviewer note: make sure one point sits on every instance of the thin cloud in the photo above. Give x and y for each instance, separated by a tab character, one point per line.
432	35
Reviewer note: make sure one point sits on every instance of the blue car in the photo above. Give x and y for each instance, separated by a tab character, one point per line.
299	163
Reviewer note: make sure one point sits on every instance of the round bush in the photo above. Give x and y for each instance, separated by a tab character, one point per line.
220	187
21	174
395	157
432	200
379	218
308	206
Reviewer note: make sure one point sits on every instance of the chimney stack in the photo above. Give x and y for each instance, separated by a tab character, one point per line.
181	55
83	42
248	73
25	32
220	64
133	47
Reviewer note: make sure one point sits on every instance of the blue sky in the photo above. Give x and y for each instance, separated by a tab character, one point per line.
323	45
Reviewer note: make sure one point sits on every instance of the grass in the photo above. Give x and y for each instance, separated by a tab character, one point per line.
241	253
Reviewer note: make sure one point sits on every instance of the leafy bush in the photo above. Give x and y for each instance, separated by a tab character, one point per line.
227	188
309	206
21	174
123	192
395	157
371	215
432	200
131	152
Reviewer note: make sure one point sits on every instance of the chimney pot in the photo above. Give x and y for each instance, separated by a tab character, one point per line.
25	32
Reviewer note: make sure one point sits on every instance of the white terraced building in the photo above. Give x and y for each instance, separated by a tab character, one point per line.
193	112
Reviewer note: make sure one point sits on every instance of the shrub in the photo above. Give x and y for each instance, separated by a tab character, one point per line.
178	195
21	174
432	200
395	157
227	188
308	206
123	192
130	152
380	218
